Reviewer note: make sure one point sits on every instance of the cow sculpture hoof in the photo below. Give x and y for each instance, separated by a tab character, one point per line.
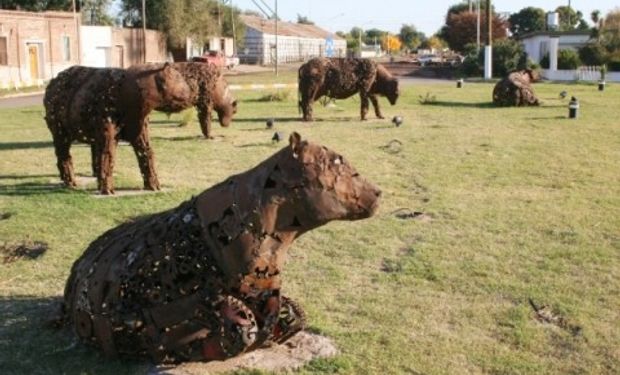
202	281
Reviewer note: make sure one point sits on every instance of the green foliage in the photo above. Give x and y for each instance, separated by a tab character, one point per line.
37	5
460	29
593	54
95	12
613	63
571	19
427	99
568	59
527	20
508	55
410	37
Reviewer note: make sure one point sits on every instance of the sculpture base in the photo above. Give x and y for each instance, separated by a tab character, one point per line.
294	353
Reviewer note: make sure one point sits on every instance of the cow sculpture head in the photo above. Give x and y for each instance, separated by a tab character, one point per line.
172	92
386	85
223	102
322	186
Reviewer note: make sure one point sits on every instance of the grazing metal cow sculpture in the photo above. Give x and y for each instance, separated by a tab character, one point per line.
341	78
202	281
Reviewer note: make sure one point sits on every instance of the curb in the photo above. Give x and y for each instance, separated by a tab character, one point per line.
263	86
20	94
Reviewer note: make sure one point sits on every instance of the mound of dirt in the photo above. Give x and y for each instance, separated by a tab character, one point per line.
293	354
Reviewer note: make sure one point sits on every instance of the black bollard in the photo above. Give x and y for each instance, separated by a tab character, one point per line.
270	123
573	107
459	83
601	85
397	120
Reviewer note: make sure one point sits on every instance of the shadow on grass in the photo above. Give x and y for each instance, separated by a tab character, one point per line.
33	188
546	118
180	138
264	119
31	344
25	145
26	176
440	103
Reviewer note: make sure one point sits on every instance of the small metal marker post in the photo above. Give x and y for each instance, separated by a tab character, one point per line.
459	83
573	107
601	85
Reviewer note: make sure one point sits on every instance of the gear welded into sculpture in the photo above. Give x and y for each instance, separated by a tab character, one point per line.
516	89
202	281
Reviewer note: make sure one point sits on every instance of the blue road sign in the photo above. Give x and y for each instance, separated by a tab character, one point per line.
329	46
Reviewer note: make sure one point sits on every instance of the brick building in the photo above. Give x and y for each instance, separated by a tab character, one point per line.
36	46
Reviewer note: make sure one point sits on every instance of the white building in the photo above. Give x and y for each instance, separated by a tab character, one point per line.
296	42
538	44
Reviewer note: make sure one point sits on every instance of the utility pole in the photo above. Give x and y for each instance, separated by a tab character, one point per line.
276	12
488	49
478	27
234	32
144	30
470	5
77	33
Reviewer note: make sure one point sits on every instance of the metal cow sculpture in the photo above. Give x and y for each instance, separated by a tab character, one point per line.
202	281
209	92
341	78
516	89
101	106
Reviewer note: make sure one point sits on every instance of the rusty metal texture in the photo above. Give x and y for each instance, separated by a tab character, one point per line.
100	106
202	281
516	90
341	78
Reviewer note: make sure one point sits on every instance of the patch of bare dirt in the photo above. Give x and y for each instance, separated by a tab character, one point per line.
407	214
10	253
293	354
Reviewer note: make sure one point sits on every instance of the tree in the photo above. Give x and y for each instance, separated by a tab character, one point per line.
610	32
304	20
410	37
95	12
391	43
571	19
464	7
460	29
37	5
434	43
527	20
593	54
372	36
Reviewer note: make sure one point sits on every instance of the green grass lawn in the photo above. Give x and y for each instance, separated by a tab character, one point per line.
518	203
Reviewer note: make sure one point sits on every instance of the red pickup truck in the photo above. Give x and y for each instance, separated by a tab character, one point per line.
217	58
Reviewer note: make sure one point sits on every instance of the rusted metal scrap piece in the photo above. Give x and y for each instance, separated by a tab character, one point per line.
202	281
341	78
516	89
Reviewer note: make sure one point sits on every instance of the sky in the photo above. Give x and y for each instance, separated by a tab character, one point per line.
390	15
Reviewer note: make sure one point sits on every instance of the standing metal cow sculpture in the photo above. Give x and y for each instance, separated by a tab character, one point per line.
102	106
202	281
341	78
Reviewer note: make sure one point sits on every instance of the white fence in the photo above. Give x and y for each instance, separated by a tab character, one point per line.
584	73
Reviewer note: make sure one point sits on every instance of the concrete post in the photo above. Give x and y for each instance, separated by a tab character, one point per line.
488	62
554	44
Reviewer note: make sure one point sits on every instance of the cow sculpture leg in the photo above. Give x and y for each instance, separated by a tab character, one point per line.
62	147
364	105
105	155
204	117
146	159
375	104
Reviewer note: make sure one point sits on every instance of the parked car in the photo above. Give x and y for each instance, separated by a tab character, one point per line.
429	59
217	58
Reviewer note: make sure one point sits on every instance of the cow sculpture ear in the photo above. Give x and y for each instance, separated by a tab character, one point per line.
295	142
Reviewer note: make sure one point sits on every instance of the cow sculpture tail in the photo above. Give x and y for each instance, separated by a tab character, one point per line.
299	110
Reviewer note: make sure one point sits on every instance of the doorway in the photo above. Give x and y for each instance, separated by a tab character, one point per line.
34	60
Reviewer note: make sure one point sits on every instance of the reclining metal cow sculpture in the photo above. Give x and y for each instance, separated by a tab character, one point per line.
340	78
101	106
209	92
202	281
516	90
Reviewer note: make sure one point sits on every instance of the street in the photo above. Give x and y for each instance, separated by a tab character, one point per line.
22	101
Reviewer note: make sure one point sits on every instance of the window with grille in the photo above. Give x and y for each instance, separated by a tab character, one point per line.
4	58
66	48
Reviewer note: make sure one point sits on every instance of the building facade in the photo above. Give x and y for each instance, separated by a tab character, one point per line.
106	46
34	47
296	42
539	43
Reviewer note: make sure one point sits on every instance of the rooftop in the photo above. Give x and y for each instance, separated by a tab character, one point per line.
286	28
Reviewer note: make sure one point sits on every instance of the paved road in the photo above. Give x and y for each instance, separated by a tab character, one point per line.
21	101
